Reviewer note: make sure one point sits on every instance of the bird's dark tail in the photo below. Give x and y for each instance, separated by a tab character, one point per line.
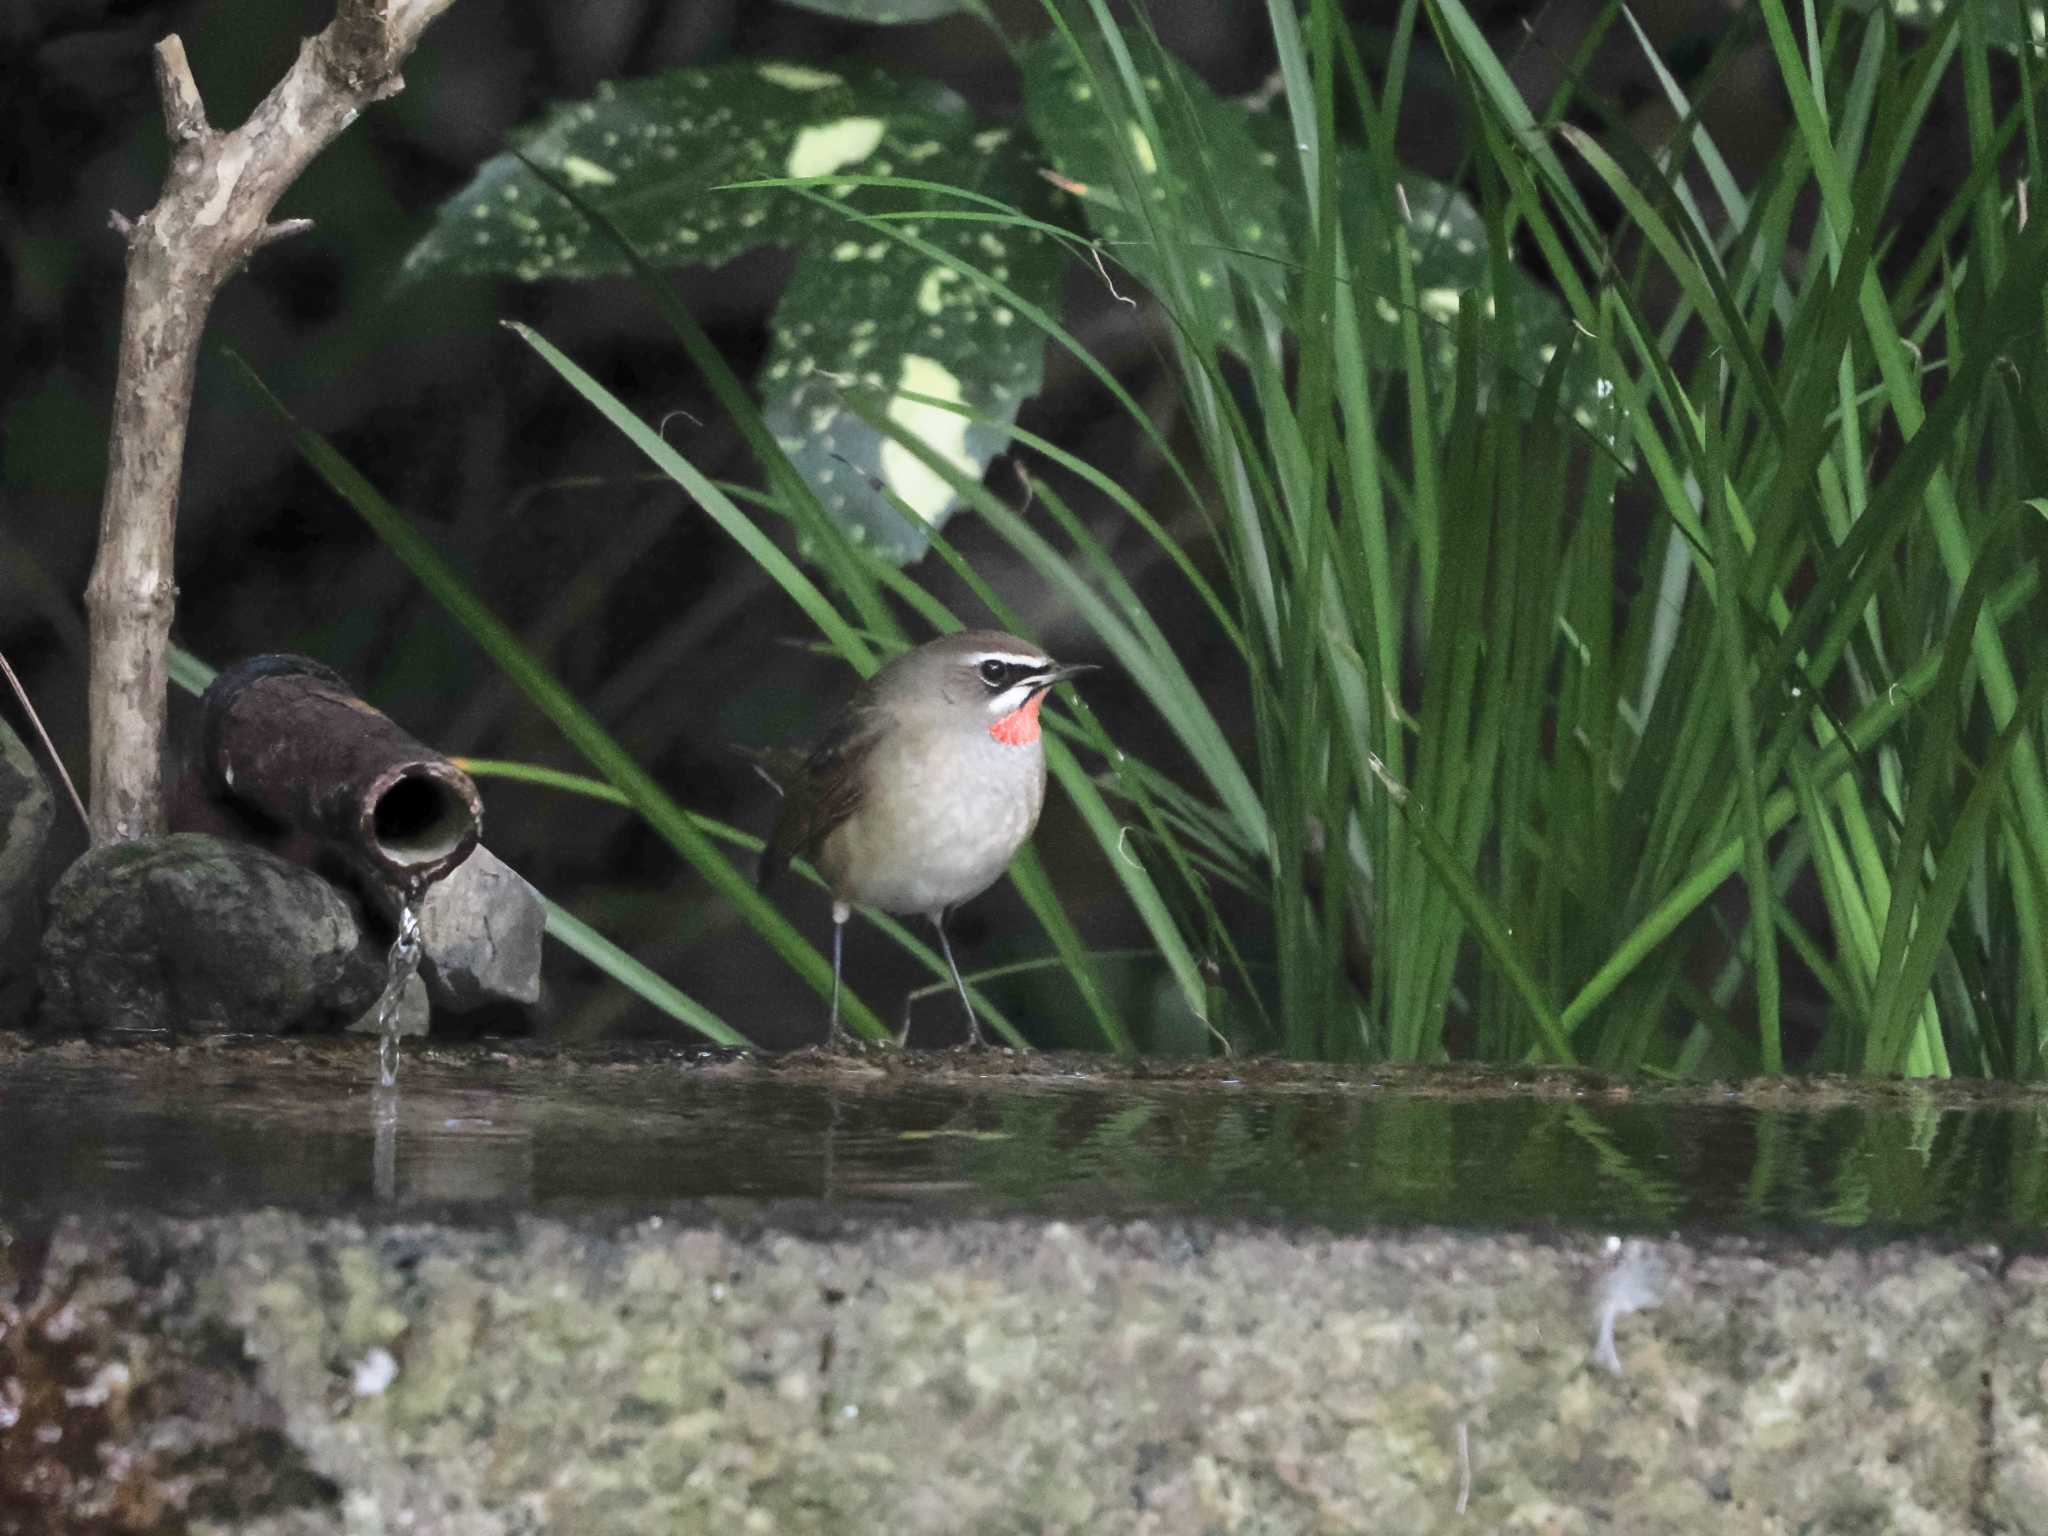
779	767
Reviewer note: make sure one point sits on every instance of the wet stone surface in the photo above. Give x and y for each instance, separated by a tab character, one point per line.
656	1291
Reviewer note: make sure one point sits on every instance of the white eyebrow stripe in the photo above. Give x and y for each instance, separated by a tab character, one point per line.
1036	663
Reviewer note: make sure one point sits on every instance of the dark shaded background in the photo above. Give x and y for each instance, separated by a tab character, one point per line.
673	638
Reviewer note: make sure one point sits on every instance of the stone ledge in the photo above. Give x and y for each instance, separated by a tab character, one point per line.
272	1374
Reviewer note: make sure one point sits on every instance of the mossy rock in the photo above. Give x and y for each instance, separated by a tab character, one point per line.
188	934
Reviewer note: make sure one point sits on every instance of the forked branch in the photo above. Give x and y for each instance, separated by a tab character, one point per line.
213	213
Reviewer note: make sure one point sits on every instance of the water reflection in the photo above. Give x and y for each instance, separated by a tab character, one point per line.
200	1131
384	1133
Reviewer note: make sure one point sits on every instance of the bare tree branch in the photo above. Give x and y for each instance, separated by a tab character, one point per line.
214	212
184	113
283	229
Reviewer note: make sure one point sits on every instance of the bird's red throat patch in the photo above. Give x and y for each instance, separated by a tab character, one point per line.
1019	728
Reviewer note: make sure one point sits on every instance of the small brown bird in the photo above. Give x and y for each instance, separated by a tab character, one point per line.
922	788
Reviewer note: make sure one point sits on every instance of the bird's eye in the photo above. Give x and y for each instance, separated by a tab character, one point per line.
995	673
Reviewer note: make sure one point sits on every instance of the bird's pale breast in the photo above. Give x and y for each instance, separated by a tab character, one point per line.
942	815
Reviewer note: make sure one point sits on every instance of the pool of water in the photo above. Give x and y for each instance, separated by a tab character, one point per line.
220	1128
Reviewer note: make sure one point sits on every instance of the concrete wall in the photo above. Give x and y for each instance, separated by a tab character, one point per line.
803	1371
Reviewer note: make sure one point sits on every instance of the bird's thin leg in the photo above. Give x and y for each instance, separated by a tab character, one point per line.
974	1039
835	1037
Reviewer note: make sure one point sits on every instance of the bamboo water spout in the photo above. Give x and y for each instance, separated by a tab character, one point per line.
287	738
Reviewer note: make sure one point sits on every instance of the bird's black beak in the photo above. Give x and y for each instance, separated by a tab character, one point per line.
1059	674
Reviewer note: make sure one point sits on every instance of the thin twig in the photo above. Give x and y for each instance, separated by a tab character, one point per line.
1024	479
283	229
1096	252
184	111
49	748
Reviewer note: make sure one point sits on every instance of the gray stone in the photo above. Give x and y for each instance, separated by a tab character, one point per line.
803	1371
480	936
188	934
27	810
2017	1424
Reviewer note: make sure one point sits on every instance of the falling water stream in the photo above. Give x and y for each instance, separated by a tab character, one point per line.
399	967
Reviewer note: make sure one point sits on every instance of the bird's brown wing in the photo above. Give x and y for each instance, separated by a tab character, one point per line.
822	791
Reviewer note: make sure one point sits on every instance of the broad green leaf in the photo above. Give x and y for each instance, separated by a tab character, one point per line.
1216	237
1257	229
664	159
866	309
1448	242
649	152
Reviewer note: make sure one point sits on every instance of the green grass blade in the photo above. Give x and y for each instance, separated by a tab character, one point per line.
1735	664
731	836
553	700
742	529
601	952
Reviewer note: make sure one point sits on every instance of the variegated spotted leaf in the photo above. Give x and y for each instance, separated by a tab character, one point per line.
657	157
648	154
870	313
1252	222
1447	246
1218	239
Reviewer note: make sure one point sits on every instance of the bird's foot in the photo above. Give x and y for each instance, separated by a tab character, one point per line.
843	1043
